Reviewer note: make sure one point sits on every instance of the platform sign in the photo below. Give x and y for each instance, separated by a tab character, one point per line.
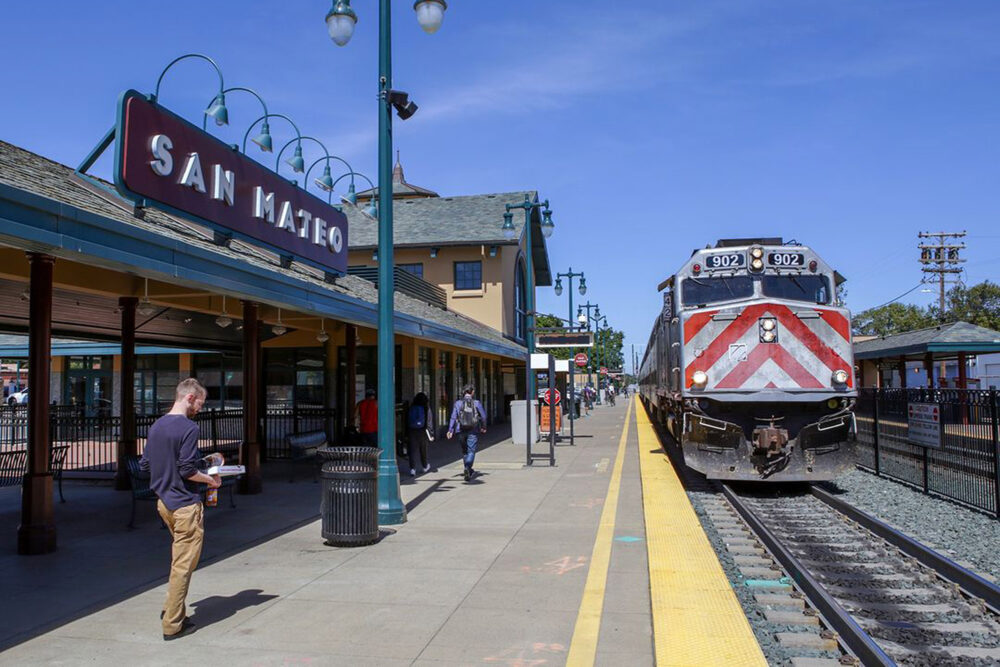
925	424
580	359
545	421
545	338
547	396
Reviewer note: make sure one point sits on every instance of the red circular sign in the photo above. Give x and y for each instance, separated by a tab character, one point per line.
604	371
547	397
580	359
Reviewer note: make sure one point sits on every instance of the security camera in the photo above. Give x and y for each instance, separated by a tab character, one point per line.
401	101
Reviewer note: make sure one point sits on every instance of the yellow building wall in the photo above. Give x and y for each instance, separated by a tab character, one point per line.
493	305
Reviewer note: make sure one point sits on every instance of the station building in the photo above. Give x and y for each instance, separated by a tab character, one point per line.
110	303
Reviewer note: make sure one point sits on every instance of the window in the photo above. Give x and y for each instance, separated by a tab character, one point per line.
468	275
415	269
814	289
699	291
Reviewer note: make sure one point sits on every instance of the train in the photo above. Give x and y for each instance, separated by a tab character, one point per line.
750	366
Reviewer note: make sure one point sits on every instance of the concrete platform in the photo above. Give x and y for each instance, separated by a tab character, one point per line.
521	566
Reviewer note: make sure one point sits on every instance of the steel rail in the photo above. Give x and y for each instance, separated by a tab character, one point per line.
970	583
850	633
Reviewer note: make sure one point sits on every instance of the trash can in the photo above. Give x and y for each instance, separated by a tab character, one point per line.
349	505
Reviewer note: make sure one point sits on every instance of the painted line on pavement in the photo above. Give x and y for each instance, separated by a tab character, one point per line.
583	647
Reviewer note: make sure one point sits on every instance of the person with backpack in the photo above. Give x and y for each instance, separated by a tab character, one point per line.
468	420
418	428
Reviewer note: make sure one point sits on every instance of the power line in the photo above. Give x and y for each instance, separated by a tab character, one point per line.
898	297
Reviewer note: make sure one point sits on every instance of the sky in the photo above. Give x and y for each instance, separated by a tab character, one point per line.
653	127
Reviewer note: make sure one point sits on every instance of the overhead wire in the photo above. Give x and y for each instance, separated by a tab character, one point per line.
898	297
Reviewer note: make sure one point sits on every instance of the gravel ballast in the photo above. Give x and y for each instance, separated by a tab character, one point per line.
967	536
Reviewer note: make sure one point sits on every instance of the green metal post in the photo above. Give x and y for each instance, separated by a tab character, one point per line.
390	507
530	321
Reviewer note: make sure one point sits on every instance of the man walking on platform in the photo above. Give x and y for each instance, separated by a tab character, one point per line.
468	419
174	463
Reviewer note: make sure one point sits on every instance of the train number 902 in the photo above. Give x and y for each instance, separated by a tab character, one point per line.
726	260
785	259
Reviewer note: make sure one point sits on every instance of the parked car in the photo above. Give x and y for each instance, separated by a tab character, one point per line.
18	398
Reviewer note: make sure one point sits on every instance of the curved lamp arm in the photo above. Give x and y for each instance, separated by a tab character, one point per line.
352	174
264	118
204	121
327	158
156	93
299	139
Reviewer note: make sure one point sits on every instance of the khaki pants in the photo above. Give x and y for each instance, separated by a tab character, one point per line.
187	527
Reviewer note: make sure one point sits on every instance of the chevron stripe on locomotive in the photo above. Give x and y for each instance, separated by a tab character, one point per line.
749	365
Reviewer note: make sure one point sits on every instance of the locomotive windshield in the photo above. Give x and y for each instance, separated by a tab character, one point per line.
696	291
814	289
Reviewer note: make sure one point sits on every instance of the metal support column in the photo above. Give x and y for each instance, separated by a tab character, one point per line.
127	442
37	532
251	482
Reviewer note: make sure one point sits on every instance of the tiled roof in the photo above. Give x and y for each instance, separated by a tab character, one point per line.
942	338
32	173
443	221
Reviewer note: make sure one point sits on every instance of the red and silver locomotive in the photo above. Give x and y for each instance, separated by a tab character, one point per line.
750	366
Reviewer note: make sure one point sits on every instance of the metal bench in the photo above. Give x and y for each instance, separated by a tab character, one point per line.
302	447
139	481
14	466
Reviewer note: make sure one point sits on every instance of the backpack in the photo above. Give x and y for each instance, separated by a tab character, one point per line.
417	417
468	416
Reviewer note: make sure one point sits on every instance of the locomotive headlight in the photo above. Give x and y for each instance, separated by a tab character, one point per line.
767	324
768	336
756	253
840	376
757	264
699	379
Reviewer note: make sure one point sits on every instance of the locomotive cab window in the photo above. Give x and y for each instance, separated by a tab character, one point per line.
696	291
814	289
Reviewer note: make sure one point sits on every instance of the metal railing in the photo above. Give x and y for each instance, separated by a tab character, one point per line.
93	440
965	468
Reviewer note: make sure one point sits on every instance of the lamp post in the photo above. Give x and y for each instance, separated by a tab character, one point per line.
583	290
508	230
340	23
584	319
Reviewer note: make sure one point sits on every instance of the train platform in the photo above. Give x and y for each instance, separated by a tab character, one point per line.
598	560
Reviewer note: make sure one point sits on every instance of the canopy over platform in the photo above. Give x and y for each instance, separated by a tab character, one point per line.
945	342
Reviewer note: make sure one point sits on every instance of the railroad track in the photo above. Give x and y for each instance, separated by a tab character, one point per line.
889	599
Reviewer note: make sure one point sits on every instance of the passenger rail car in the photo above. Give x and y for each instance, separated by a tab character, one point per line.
749	364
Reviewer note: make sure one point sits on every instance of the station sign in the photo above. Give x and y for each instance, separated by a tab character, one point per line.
580	359
563	338
924	424
164	161
547	396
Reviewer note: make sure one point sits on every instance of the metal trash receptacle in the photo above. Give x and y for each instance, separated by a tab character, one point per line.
349	504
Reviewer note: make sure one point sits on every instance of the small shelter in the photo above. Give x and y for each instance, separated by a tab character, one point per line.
946	342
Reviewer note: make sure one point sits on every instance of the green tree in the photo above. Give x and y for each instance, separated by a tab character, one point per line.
891	319
979	304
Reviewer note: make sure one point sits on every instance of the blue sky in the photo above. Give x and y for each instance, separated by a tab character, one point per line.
652	127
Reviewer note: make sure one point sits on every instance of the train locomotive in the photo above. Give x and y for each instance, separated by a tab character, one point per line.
749	364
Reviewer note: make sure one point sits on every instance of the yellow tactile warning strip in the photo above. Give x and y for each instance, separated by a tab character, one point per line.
697	619
583	647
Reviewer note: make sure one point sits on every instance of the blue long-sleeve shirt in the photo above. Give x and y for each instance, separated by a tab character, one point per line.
453	426
171	456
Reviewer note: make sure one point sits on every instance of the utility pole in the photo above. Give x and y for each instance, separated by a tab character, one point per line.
941	258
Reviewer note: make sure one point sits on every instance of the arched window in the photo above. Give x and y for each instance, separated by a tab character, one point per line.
520	301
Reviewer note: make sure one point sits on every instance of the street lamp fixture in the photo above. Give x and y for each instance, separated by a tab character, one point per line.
430	14
508	226
580	317
296	162
569	275
217	109
264	138
547	226
145	308
558	287
322	336
583	286
401	103
340	22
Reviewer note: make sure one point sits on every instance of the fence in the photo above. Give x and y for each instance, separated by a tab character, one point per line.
966	467
93	441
